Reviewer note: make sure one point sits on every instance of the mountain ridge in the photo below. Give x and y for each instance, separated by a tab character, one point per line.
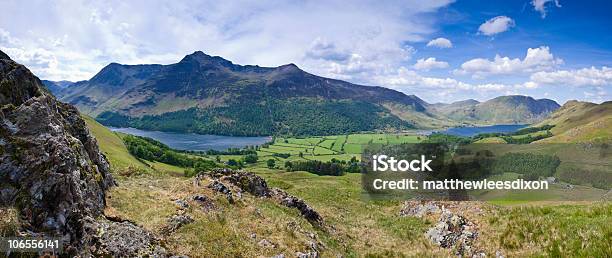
213	91
511	109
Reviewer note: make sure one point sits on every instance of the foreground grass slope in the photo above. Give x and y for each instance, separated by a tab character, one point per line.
113	147
356	228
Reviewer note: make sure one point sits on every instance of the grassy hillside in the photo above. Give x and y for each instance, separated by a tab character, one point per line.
580	122
357	228
491	140
112	146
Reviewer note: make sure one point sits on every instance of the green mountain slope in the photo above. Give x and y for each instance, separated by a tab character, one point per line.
206	94
580	122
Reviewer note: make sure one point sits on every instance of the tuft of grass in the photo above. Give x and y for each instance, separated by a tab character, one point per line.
9	222
551	230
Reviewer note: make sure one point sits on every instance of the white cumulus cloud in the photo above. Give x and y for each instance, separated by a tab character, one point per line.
496	25
579	78
540	6
436	89
536	59
429	64
440	43
73	40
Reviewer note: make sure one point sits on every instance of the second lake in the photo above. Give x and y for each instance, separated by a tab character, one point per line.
473	131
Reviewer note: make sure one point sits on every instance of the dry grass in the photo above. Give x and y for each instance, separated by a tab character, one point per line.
9	222
149	202
355	228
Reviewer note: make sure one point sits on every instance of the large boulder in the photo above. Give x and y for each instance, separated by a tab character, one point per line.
51	169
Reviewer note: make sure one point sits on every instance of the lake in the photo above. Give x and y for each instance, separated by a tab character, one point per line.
196	142
472	131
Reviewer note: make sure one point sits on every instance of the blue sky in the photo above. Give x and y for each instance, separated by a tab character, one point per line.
440	50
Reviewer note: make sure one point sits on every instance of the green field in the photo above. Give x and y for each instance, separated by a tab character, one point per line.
326	148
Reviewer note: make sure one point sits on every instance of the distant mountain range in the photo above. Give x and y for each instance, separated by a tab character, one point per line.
56	87
211	95
514	109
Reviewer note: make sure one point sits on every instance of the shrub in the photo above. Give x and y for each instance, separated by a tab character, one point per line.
271	163
250	158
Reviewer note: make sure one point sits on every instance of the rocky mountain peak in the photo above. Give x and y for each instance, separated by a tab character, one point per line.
205	59
290	66
109	74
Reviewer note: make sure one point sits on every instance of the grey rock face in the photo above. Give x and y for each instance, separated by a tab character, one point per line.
50	166
419	210
266	243
182	204
221	188
246	181
124	239
4	56
52	171
206	203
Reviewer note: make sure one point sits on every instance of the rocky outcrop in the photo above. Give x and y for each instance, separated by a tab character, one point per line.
419	210
293	202
177	221
206	203
52	171
452	230
124	239
221	188
246	181
257	186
